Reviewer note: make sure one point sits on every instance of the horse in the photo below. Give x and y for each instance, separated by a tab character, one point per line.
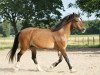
38	38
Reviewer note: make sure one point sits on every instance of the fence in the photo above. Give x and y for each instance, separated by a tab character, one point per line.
6	42
83	40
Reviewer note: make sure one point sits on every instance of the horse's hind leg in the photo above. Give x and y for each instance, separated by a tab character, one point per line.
33	49
21	52
59	60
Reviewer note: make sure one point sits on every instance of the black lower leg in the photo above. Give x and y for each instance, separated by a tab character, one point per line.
19	56
56	63
68	62
34	56
35	60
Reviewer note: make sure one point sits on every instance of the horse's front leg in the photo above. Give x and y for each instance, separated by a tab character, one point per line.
33	49
59	60
63	51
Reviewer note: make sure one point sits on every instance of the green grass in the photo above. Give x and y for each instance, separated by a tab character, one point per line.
85	46
6	42
96	35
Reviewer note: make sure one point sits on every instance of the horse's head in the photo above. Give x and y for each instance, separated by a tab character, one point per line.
76	22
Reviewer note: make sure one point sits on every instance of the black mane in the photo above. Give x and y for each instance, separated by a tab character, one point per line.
66	19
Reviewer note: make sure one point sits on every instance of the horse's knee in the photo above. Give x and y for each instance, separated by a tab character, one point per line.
56	63
60	60
18	56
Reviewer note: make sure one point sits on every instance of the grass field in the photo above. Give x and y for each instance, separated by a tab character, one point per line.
6	42
73	41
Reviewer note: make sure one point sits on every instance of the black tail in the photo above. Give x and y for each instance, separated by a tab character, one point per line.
14	48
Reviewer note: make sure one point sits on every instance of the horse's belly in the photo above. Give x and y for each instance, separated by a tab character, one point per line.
43	39
45	42
47	45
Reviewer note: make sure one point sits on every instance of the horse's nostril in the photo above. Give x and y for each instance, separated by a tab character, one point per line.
83	30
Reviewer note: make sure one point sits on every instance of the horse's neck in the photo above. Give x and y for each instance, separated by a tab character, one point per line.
66	30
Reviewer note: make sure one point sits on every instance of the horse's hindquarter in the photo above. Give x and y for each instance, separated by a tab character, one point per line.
42	38
25	37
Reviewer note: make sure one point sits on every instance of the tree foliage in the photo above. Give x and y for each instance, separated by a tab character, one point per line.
8	11
89	6
93	26
5	28
29	10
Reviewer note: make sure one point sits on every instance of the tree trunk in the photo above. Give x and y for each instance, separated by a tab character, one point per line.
13	23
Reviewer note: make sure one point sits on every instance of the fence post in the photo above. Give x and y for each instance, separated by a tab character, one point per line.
83	40
88	41
93	41
75	39
99	39
78	40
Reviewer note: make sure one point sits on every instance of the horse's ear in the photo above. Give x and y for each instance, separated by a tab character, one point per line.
73	13
78	14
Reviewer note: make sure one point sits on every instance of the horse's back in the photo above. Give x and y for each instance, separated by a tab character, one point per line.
26	33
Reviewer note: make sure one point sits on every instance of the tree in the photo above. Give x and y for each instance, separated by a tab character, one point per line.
93	26
1	28
8	11
6	28
40	10
29	10
89	6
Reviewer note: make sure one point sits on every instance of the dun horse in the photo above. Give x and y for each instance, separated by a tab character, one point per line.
37	38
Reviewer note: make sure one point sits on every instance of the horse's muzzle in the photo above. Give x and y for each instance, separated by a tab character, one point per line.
83	30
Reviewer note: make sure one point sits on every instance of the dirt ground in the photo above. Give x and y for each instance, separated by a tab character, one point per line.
85	61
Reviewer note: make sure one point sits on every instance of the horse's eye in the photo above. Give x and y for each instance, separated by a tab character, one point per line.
76	20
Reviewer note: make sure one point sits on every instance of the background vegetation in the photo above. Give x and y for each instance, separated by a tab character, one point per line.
19	14
92	26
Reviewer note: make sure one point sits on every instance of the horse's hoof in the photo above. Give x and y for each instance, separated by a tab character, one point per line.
51	67
72	71
41	70
16	69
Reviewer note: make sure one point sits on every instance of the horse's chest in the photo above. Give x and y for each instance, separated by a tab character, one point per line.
62	41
